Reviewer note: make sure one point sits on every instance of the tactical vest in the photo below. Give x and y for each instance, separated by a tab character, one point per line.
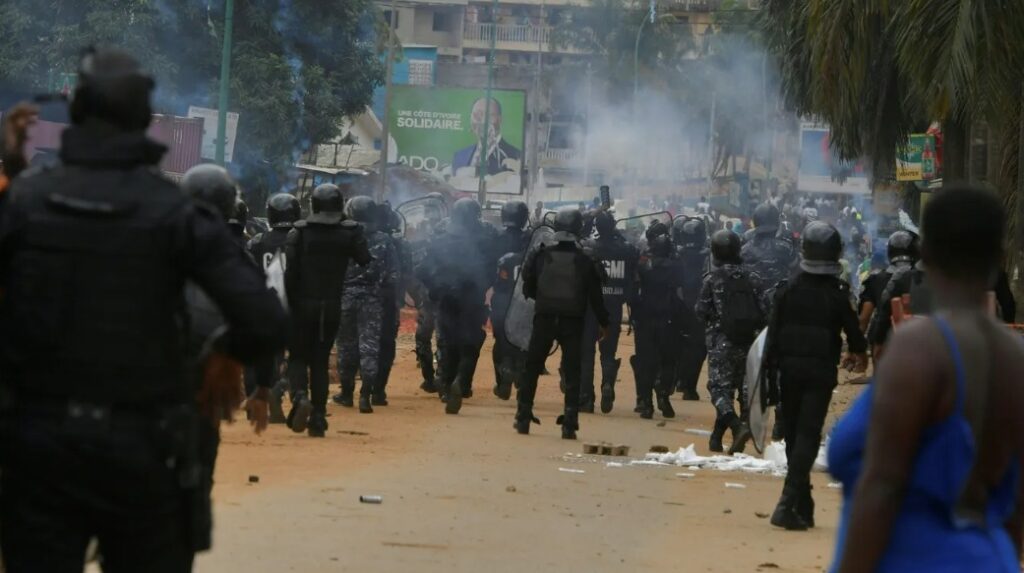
268	245
808	340
93	307
560	286
619	261
324	251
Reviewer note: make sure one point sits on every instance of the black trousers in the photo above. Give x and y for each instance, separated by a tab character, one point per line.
806	399
608	347
656	357
388	345
693	351
314	328
426	320
460	327
264	373
64	485
547	329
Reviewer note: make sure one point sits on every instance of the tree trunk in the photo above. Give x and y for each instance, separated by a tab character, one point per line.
955	152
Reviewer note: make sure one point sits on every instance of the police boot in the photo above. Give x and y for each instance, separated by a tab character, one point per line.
587	403
502	384
785	514
344	398
524	417
454	397
365	406
379	399
665	405
740	436
689	392
608	376
715	442
805	505
298	417
276	408
317	425
570	422
646	408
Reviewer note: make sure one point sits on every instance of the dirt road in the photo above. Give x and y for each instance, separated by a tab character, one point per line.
466	493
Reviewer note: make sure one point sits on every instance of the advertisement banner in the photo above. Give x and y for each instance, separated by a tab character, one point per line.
820	171
916	161
440	130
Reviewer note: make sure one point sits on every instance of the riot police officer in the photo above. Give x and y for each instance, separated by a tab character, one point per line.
803	347
660	282
318	250
511	246
432	227
391	225
239	219
619	260
368	290
903	250
563	281
458	271
733	310
770	258
690	236
282	212
95	253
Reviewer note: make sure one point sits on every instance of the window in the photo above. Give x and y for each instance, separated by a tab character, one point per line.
440	22
387	17
421	72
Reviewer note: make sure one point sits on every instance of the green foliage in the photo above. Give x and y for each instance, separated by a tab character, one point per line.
298	66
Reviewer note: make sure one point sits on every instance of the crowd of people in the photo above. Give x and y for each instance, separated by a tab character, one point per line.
130	305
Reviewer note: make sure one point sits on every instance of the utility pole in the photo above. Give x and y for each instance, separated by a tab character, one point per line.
481	194
535	155
386	128
225	81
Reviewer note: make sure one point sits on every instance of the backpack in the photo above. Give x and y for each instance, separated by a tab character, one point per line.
741	314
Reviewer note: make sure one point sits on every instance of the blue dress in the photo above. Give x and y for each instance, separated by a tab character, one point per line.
927	536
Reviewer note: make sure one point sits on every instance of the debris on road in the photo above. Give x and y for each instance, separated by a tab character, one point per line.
697	432
375	499
571	471
730	485
605	449
761	515
254	479
686	475
658	449
511	489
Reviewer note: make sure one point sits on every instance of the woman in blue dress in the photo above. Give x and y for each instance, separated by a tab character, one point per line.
930	455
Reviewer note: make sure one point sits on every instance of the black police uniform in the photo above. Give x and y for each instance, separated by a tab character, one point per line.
263	248
318	252
458	271
508	360
803	346
619	260
426	307
101	440
391	318
657	333
564	282
695	257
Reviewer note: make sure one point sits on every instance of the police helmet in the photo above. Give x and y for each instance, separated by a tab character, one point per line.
568	223
213	185
515	215
821	248
327	198
362	209
659	238
604	222
112	88
725	247
282	211
466	212
241	216
690	232
766	218
903	247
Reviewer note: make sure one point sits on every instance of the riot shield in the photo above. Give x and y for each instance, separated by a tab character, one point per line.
275	278
420	220
761	414
519	316
634	226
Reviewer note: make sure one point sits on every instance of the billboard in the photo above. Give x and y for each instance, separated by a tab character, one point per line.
440	130
916	161
819	168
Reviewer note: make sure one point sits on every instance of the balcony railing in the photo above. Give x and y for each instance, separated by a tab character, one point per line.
507	33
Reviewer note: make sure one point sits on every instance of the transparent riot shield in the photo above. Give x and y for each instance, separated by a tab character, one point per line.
421	218
761	414
633	227
519	316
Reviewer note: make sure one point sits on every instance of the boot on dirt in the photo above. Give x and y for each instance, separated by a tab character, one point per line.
503	391
298	417
587	404
317	426
607	398
344	399
365	406
379	399
646	409
276	408
428	386
715	441
691	395
665	406
524	417
570	423
805	505
785	514
454	402
740	436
